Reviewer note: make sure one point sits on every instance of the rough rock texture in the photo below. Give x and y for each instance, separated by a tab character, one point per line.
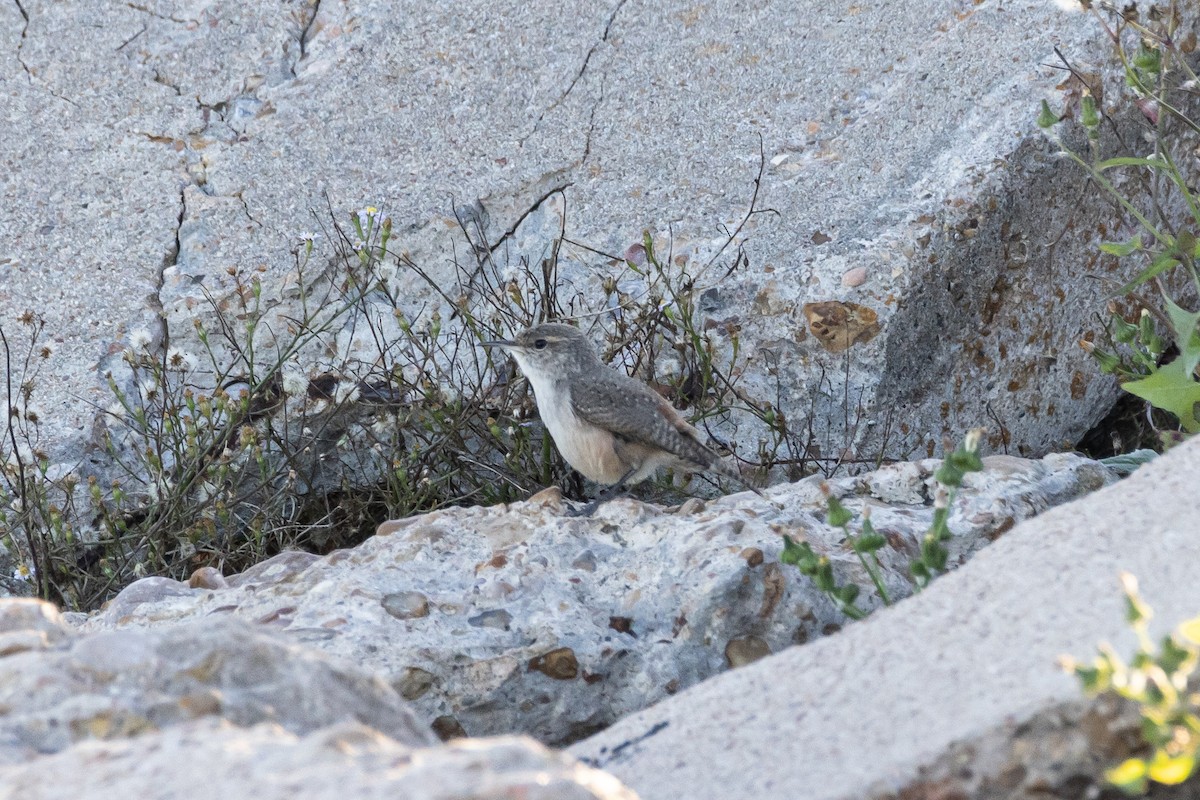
151	149
58	687
518	619
214	758
961	680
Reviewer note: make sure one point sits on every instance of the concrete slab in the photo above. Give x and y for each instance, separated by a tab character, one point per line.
859	713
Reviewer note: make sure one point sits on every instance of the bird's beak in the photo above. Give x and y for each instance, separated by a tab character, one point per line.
500	343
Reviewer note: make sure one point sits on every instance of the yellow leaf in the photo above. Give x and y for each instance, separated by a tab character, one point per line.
1164	769
1190	630
1130	775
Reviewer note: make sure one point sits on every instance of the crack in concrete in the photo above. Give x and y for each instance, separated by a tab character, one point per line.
129	41
532	208
304	36
24	31
246	208
612	18
587	139
170	260
156	15
159	79
29	73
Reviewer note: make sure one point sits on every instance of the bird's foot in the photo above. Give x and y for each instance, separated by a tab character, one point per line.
601	497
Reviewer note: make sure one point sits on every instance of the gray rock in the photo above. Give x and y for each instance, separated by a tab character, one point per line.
518	619
212	757
954	693
58	688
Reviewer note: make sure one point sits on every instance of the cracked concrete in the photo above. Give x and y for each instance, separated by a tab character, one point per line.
309	18
634	117
583	68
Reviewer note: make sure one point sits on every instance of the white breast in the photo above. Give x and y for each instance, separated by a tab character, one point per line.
586	447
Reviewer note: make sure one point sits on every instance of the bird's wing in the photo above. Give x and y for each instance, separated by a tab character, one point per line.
633	411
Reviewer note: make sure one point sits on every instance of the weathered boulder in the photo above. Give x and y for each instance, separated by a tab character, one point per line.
520	619
158	154
266	762
58	687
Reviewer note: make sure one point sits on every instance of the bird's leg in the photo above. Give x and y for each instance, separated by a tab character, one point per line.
604	495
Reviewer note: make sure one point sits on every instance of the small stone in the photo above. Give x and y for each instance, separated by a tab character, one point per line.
207	578
745	650
496	618
551	497
854	277
201	704
693	505
447	727
390	526
559	664
753	555
414	683
406	605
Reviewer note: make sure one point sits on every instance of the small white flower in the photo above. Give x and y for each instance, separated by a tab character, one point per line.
22	572
116	410
148	391
365	214
140	339
295	382
180	360
307	237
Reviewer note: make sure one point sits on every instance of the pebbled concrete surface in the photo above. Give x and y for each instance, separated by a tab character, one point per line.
865	709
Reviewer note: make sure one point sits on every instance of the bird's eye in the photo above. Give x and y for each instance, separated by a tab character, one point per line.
539	344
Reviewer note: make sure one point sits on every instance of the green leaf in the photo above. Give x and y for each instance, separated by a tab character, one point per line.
1131	161
1122	248
1148	59
1126	464
1161	263
1171	388
1184	324
1185	243
1172	656
792	552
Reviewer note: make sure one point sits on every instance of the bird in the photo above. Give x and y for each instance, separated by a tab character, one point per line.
613	429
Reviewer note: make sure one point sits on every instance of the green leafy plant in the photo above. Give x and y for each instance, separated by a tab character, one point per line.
1154	190
932	555
1157	678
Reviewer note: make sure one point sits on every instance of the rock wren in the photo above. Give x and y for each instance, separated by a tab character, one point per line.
612	428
